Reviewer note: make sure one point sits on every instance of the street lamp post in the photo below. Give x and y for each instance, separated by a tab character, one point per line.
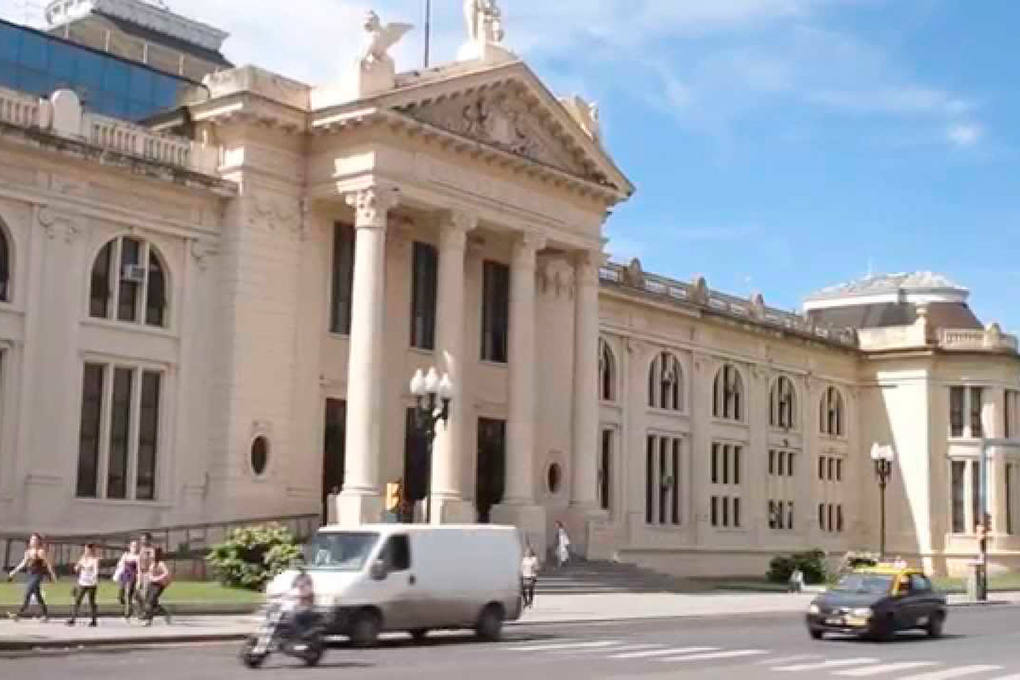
432	396
883	457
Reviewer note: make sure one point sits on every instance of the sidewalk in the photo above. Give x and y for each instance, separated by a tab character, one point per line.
549	609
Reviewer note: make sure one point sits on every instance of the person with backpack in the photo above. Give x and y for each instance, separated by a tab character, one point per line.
126	578
87	568
158	581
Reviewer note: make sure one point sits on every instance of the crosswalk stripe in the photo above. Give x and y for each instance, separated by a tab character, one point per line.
662	652
952	673
884	668
822	665
1015	676
787	659
565	645
709	656
613	648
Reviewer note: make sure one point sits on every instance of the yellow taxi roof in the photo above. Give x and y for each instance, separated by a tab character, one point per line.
888	570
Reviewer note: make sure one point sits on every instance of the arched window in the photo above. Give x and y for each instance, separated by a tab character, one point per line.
607	372
129	283
728	394
665	382
782	404
832	414
5	265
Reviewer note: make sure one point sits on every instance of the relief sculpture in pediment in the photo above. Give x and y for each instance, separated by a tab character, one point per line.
504	121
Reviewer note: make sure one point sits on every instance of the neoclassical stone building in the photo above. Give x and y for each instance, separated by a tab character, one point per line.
215	316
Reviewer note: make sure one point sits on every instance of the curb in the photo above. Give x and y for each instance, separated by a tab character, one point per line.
40	645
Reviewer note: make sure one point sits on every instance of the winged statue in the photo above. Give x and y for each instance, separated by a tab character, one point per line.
381	38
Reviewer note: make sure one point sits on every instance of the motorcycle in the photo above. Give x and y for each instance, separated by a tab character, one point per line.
280	631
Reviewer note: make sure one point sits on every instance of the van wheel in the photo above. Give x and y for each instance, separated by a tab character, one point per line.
365	628
419	634
490	623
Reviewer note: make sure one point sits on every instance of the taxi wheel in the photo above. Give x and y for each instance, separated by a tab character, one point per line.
883	631
935	625
816	633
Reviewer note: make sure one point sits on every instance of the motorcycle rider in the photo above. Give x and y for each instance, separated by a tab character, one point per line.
302	592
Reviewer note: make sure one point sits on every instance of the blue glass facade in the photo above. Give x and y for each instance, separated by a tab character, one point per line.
38	63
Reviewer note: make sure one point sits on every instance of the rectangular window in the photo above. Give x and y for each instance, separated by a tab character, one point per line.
1012	414
116	477
606	470
1011	506
148	436
975	412
821	516
424	278
736	464
676	481
715	463
495	311
127	298
957	474
736	511
649	479
956	406
342	279
975	493
726	460
664	483
772	461
789	464
88	434
821	467
715	511
99	296
789	515
839	469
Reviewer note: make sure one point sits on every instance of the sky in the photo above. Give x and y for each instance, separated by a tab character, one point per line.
777	146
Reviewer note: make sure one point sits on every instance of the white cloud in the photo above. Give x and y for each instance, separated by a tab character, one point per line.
964	135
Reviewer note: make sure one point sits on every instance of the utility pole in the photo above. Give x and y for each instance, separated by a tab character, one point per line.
428	29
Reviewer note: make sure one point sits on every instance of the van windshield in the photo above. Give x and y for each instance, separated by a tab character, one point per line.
340	551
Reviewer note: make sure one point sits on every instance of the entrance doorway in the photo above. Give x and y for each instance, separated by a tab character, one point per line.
334	438
491	475
416	462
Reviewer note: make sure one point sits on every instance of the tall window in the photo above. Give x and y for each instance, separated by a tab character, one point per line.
781	488
662	479
606	470
1012	414
965	405
782	404
832	418
424	275
665	382
119	432
1012	498
607	372
724	503
5	265
128	283
728	394
495	311
965	492
830	479
342	280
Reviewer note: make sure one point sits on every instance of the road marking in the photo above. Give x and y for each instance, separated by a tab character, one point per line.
564	645
663	652
628	648
1015	676
788	659
951	673
884	668
822	665
708	656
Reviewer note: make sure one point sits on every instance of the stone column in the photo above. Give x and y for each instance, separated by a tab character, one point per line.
361	499
448	505
584	462
518	506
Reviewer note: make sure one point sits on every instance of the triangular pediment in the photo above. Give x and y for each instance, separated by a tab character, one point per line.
508	108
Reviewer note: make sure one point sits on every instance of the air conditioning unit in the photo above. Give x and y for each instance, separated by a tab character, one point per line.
134	273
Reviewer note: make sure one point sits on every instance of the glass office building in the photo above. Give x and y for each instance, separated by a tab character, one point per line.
38	63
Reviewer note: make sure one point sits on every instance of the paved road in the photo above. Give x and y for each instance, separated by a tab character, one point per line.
981	644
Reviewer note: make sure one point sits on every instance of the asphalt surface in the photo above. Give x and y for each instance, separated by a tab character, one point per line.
980	644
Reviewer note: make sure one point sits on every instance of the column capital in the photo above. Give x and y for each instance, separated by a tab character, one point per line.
586	265
372	205
526	246
455	227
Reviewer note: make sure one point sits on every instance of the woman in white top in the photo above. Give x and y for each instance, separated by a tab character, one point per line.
562	545
529	576
87	569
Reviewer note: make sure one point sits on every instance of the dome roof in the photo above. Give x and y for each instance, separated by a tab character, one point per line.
896	284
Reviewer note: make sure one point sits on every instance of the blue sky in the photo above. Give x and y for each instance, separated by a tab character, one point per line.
777	145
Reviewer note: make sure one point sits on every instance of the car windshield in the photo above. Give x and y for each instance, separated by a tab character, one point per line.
865	583
340	551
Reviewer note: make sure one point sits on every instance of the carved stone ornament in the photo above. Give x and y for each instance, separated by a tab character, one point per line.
634	275
699	293
201	251
56	223
380	38
275	212
502	119
556	277
372	205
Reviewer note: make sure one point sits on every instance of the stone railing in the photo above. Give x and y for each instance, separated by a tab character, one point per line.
62	115
698	293
991	339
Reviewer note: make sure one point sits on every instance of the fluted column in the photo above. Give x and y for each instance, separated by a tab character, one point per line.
448	504
360	500
584	460
520	473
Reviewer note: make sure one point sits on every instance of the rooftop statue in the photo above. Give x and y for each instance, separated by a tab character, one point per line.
484	21
380	39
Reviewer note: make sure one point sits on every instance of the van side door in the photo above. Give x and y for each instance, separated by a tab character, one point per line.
397	590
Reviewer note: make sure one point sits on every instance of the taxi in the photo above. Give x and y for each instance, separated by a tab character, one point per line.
877	602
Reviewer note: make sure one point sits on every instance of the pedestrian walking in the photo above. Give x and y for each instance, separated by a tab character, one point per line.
158	581
146	556
87	569
796	581
529	577
562	545
126	578
36	566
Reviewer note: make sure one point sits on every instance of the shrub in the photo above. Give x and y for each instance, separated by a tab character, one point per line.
811	564
251	556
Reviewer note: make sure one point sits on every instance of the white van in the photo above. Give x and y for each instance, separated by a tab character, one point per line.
412	577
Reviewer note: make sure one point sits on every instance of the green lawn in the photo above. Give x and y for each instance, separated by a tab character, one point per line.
179	592
1009	581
